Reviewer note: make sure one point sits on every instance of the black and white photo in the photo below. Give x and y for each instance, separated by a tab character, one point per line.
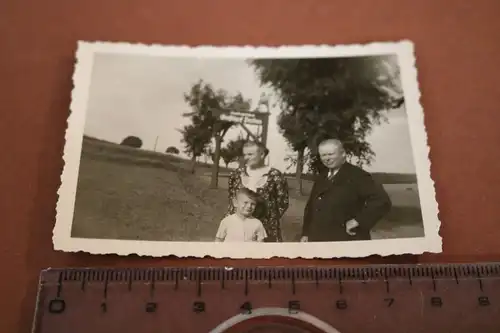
246	152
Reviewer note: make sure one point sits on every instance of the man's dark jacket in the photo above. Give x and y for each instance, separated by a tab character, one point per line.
351	194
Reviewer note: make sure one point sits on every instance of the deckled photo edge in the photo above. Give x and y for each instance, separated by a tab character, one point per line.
72	148
62	239
418	132
326	250
209	51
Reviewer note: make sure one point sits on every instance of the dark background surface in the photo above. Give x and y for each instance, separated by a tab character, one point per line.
457	49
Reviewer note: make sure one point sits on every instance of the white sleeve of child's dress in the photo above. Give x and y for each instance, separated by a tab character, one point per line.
222	231
261	232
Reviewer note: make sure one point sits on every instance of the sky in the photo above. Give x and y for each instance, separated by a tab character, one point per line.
143	96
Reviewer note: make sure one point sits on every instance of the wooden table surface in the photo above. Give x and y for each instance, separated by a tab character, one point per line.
457	47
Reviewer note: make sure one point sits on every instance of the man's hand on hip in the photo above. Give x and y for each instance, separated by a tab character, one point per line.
350	225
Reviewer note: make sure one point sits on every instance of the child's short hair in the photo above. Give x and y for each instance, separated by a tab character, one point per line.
249	193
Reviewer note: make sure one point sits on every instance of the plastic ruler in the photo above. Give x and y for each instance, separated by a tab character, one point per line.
400	298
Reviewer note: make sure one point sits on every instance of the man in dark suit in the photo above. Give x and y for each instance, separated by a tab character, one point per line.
345	202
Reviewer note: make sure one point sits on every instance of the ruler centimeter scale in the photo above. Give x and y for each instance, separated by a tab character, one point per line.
382	298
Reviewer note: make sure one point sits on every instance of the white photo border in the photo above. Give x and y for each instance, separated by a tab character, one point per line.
404	50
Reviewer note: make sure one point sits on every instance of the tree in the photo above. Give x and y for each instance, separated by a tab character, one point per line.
295	133
132	141
195	140
172	150
226	156
337	97
292	159
233	150
207	103
208	153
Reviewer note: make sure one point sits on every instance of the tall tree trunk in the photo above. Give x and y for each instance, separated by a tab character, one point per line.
298	172
193	163
214	183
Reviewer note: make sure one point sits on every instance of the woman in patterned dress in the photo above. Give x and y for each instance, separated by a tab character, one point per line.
268	182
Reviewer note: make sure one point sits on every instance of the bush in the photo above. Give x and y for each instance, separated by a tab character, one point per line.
172	150
132	141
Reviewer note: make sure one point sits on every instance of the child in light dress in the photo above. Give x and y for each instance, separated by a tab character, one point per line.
241	226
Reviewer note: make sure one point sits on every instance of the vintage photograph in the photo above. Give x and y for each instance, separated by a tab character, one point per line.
246	152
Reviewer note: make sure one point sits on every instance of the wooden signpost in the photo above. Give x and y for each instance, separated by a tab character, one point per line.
242	118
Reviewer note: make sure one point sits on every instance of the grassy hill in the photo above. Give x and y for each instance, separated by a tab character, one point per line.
112	151
128	193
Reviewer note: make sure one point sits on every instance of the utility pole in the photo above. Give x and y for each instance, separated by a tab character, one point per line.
156	142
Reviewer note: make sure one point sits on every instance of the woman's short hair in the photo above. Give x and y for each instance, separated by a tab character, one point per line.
261	147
